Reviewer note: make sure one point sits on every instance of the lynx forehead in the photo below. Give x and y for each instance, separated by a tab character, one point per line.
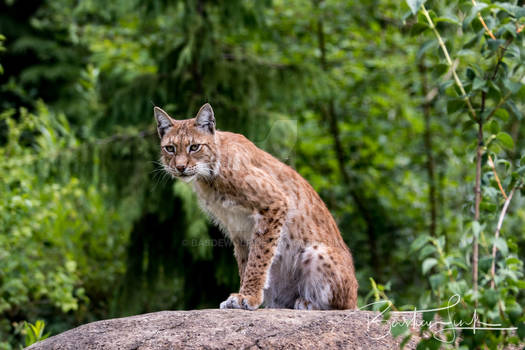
288	248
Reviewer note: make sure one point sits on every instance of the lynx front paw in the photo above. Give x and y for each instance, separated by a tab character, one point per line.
239	301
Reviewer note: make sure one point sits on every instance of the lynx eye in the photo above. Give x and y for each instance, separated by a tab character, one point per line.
169	149
195	148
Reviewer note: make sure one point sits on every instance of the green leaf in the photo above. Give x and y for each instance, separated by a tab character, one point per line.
494	45
521	330
428	264
478	83
399	329
29	337
504	31
520	170
429	344
512	261
418	28
415	5
485	262
513	10
514	109
447	19
428	316
476	228
505	140
475	39
471	73
436	280
467	126
34	333
419	242
501	244
520	284
426	251
459	263
514	311
424	48
494	92
405	340
512	86
491	297
454	105
502	114
493	126
440	69
445	85
473	13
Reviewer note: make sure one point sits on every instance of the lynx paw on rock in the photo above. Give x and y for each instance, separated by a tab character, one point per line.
239	301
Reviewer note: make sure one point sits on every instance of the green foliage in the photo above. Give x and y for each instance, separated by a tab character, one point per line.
34	333
493	81
55	226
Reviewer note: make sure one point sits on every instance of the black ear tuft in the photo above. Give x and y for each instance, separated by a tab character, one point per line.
164	121
205	119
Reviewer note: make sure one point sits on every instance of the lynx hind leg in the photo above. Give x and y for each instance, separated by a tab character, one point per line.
327	281
303	304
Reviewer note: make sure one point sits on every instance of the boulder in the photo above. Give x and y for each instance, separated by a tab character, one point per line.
232	329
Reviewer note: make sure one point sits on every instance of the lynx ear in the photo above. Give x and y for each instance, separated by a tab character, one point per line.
205	119
164	122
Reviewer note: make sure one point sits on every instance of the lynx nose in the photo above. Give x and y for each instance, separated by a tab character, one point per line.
180	168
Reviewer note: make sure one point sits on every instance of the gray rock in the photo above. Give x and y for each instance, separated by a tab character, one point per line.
232	329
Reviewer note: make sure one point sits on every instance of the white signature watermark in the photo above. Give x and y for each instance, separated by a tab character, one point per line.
439	326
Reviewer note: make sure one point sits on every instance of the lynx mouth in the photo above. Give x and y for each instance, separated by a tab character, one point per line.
182	176
186	177
185	174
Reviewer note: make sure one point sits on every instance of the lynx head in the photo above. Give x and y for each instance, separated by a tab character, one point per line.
188	147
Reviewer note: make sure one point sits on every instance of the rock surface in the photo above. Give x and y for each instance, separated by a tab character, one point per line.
232	329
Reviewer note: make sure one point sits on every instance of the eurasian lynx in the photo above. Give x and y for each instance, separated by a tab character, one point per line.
288	248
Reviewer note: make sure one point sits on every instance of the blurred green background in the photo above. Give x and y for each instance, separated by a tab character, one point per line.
90	228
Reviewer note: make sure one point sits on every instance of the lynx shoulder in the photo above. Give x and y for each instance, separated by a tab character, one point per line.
288	248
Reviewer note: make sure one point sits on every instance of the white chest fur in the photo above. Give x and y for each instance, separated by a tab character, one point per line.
234	219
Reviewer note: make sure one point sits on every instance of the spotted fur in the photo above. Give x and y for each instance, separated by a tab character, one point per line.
288	248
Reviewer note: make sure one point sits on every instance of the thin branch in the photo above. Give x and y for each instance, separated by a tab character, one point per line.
449	61
489	32
491	163
479	150
477	193
427	138
496	235
500	57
